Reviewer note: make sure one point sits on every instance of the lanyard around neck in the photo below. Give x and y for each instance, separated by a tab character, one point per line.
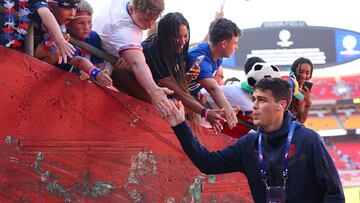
286	156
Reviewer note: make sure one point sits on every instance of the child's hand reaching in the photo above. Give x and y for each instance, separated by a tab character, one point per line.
121	64
103	78
51	26
83	75
64	48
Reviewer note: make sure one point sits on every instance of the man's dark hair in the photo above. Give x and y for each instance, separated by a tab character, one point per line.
250	62
223	29
280	88
297	64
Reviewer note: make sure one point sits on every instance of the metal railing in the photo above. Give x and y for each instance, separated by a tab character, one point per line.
93	50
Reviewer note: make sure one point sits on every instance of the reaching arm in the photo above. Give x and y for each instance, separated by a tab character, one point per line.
218	96
136	60
226	160
213	117
85	65
65	48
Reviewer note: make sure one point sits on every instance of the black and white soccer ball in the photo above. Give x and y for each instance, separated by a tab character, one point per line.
260	71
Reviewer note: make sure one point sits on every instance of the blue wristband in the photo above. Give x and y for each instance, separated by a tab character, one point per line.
94	73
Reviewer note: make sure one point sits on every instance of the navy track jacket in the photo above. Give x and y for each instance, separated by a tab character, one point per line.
312	173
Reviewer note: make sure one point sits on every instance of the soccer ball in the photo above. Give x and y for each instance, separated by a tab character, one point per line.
260	71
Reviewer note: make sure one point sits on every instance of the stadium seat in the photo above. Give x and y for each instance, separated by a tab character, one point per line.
351	122
352	82
316	123
323	89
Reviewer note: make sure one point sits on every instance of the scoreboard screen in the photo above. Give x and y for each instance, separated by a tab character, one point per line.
281	45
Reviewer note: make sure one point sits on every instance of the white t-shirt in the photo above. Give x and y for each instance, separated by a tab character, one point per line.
235	95
116	28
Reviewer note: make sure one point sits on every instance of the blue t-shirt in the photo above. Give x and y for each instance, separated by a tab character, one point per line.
208	65
94	40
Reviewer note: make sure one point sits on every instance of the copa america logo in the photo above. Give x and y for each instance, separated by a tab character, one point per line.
284	36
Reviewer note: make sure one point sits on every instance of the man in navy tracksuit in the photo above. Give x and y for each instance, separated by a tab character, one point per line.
291	165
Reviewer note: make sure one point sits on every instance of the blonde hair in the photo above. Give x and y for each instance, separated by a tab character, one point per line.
149	6
84	6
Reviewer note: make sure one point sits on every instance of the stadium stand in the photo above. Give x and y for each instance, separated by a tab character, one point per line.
350	81
323	89
350	122
318	123
328	88
351	151
338	163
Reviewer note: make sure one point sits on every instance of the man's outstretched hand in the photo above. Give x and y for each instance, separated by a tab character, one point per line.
177	113
161	102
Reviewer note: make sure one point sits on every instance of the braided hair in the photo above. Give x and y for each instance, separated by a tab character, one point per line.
171	58
167	45
298	63
295	103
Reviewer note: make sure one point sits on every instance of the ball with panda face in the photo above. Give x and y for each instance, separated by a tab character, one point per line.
260	71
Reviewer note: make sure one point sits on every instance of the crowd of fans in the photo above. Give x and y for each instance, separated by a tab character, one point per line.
166	71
